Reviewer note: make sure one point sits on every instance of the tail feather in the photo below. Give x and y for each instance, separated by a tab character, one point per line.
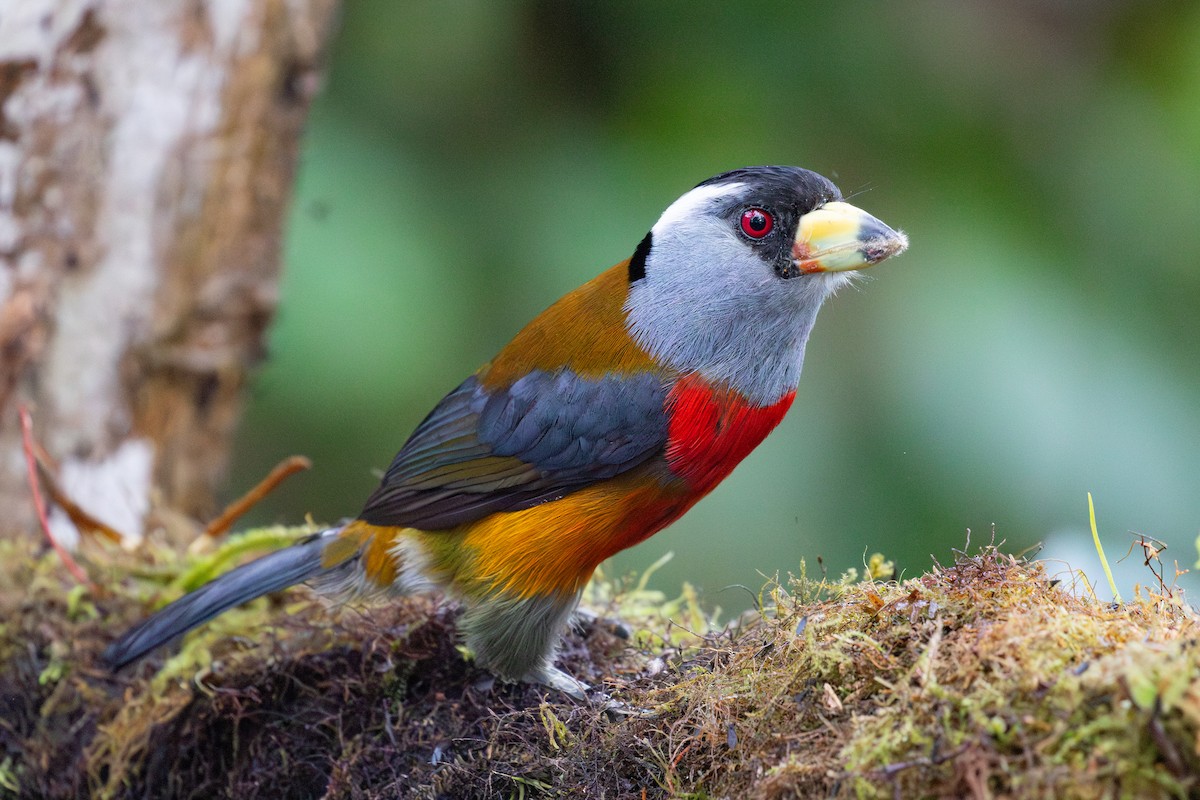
278	570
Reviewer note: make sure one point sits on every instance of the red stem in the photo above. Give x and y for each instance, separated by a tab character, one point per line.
34	489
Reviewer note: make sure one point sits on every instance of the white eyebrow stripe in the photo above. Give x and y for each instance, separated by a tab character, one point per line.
693	201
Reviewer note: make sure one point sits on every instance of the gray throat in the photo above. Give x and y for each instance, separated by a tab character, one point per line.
754	344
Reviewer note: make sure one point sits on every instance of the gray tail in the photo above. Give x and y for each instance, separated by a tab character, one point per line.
272	572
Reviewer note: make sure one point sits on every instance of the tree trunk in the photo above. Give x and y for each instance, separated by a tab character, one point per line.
147	150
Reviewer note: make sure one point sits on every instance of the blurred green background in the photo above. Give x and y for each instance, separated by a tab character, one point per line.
470	162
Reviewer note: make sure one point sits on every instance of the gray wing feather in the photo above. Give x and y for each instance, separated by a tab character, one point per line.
548	434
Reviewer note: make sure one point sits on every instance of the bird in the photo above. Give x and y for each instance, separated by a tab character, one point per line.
603	421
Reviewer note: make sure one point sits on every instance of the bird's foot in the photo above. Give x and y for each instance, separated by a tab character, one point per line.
554	678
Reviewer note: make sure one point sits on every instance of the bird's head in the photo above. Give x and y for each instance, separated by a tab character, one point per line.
728	282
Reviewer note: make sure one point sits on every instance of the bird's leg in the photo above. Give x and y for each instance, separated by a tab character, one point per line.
516	638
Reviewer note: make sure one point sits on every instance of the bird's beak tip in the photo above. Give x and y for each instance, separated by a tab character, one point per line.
878	248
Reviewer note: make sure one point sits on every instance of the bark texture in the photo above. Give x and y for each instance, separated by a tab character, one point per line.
147	151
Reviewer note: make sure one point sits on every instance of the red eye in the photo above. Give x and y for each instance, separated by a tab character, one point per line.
756	223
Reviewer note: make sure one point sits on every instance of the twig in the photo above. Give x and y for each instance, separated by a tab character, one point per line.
80	518
282	471
83	521
31	464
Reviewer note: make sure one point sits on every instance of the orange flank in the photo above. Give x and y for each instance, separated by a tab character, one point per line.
599	343
553	548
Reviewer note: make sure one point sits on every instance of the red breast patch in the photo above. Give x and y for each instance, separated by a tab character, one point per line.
712	430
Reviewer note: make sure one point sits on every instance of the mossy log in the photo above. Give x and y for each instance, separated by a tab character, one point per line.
986	678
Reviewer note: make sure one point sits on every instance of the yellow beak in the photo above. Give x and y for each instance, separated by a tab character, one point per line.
838	237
